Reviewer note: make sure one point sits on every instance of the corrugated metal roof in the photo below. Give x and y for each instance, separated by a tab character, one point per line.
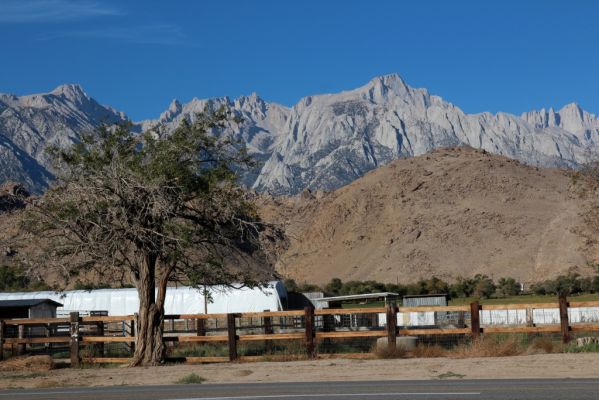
27	303
359	296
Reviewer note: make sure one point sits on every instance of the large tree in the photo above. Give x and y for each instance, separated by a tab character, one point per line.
154	208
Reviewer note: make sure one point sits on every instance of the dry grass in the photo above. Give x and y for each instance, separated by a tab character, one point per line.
426	351
544	345
490	347
32	363
389	352
285	357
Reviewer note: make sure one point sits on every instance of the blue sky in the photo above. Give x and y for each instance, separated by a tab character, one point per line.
137	56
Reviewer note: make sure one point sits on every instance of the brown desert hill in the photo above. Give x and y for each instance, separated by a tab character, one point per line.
451	213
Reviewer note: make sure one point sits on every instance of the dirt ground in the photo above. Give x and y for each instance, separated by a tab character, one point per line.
534	366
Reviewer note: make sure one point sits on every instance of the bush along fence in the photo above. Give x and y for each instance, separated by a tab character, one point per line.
288	335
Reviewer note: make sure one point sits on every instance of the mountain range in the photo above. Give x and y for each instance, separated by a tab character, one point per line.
322	142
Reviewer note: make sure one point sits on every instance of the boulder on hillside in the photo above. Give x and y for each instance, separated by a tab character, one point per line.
12	196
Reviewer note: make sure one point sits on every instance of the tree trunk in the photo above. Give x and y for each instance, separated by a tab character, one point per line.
149	344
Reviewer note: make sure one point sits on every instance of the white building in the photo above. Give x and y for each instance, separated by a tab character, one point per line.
179	300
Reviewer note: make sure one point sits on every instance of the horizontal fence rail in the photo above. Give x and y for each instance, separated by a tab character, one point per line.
321	332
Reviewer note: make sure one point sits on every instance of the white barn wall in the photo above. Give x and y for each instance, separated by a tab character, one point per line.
180	300
541	316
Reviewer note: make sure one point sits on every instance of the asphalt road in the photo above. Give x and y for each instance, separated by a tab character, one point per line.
563	389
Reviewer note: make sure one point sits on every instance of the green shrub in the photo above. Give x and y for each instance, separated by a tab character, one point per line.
190	379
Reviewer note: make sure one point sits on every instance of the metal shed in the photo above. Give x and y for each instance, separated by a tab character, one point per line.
338	301
28	308
425	300
425	318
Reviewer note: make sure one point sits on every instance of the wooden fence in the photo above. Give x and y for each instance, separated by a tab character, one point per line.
76	330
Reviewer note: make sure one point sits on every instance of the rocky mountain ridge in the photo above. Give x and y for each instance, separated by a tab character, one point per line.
30	124
322	142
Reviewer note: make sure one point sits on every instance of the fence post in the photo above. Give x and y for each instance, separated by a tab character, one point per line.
133	332
475	320
530	317
232	339
267	322
21	335
563	318
461	319
100	345
201	327
74	348
48	335
391	326
309	325
1	340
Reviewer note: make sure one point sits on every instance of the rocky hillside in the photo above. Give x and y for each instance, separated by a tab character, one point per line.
322	142
451	213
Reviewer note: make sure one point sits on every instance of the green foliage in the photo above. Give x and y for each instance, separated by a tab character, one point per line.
507	287
480	286
291	285
334	287
462	288
566	285
484	287
361	287
14	279
523	298
433	285
401	290
308	287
